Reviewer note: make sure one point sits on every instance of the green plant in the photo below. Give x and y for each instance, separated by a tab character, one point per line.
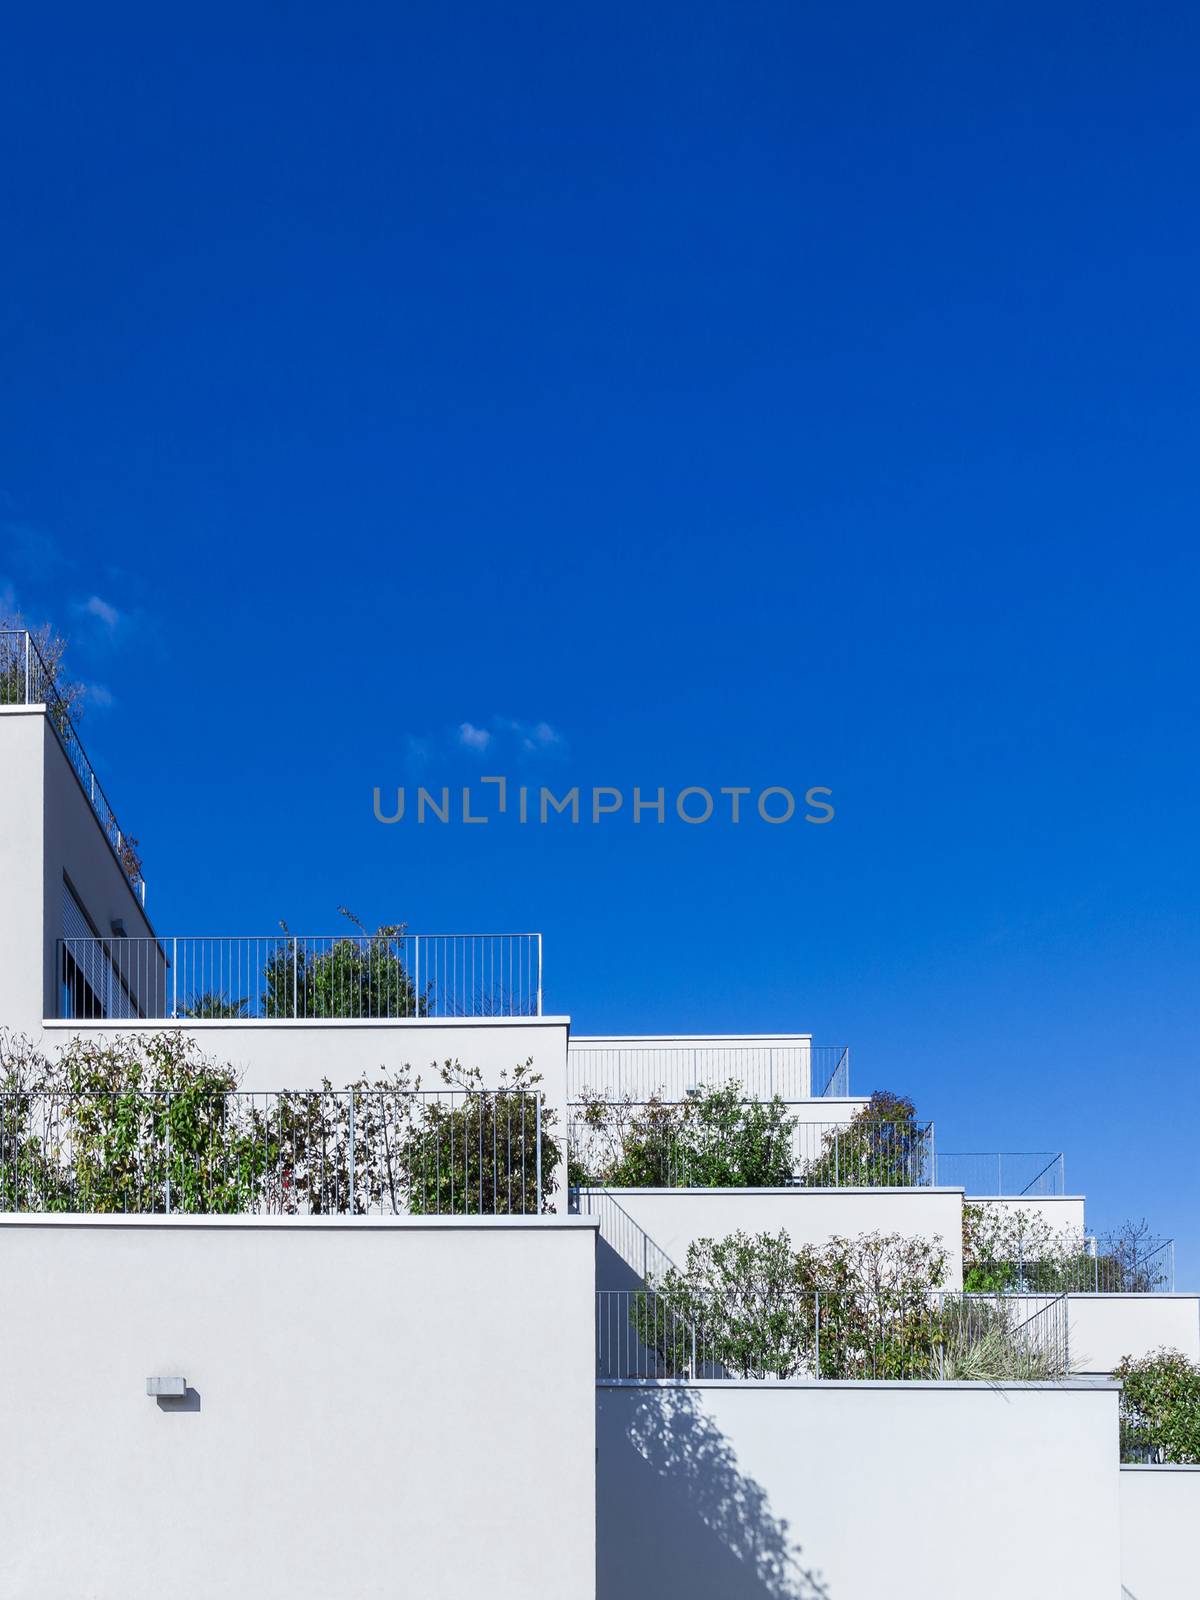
1014	1248
882	1146
756	1305
714	1139
138	1124
361	975
478	1151
979	1341
147	1124
67	703
211	1003
1160	1409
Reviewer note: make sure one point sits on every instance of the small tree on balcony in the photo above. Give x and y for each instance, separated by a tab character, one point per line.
882	1146
361	975
52	647
714	1139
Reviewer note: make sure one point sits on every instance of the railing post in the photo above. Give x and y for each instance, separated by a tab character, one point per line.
539	976
416	1011
295	977
27	699
350	1206
817	1331
538	1142
174	976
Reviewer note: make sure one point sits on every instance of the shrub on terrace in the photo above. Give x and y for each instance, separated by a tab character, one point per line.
715	1139
1014	1248
1160	1409
882	1146
147	1124
360	975
749	1305
138	1124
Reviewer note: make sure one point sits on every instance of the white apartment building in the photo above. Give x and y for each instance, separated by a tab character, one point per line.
292	1373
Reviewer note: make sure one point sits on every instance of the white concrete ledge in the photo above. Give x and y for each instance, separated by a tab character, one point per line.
1156	1466
357	1224
788	1190
203	1024
860	1385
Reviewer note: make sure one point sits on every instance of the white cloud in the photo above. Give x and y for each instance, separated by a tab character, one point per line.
98	695
473	738
108	615
529	735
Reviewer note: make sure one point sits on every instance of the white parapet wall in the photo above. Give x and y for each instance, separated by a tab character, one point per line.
1160	1512
50	836
1062	1212
859	1491
672	1219
362	1415
672	1065
1105	1328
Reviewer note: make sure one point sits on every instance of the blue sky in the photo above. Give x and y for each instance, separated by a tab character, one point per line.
706	394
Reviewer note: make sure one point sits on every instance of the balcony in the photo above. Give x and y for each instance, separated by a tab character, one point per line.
1002	1173
384	976
26	680
357	1152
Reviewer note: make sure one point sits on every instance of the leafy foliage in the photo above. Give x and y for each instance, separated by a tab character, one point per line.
1160	1409
140	1124
714	1139
1014	1248
146	1124
750	1303
882	1146
361	975
52	647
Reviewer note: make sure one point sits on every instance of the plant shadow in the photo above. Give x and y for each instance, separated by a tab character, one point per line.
676	1515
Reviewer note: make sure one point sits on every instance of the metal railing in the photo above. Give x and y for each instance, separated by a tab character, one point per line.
674	1068
347	1152
26	680
928	1335
1002	1172
830	1075
627	1238
1085	1266
833	1155
277	976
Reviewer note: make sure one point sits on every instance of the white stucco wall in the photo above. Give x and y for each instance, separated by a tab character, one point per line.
1104	1328
22	780
674	1218
364	1419
1160	1512
47	829
901	1491
1062	1212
